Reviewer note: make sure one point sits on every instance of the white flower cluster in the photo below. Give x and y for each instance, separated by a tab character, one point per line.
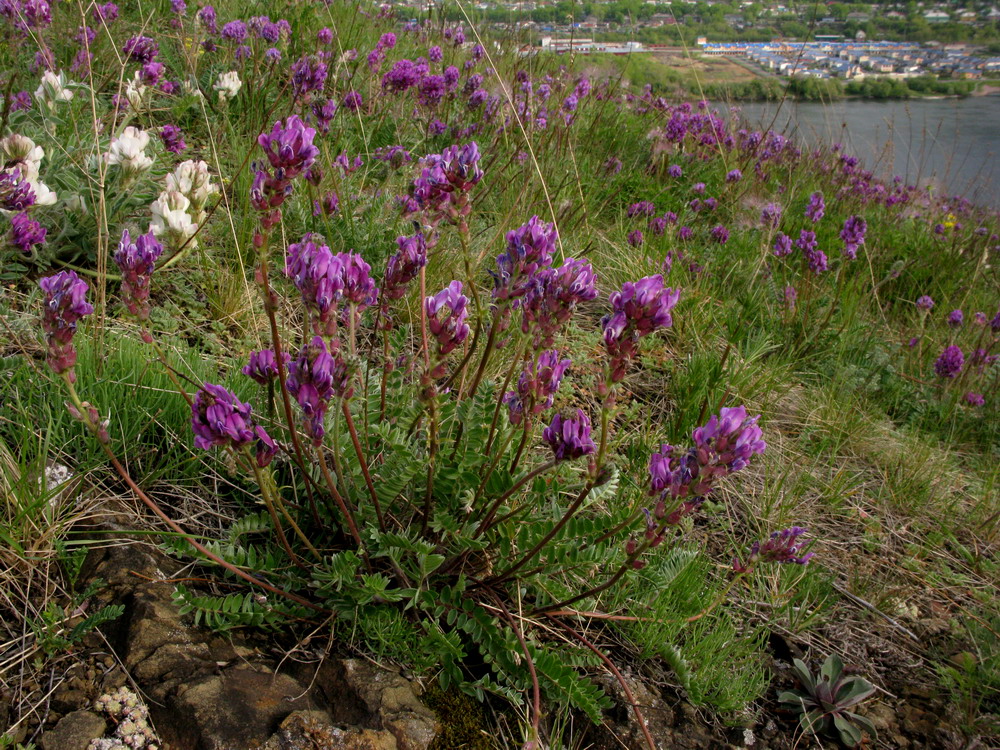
192	180
135	91
53	89
228	85
21	152
129	152
181	207
132	718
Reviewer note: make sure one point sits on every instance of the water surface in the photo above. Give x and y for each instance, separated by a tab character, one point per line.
949	143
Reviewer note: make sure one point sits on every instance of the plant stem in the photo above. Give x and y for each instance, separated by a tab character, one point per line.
363	461
485	524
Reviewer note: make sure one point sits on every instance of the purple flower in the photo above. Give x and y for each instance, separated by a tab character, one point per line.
698	188
816	207
642	208
262	366
569	437
178	6
685	233
289	147
172	138
720	234
980	318
107	12
324	36
974	399
404	265
25	233
658	226
65	302
207	18
949	363
613	165
235	31
449	329
727	442
445	181
357	286
218	418
537	385
635	238
434	54
786	546
640	308
272	54
432	90
782	245
814	257
995	323
955	318
314	377
324	112
674	170
770	216
141	49
328	205
403	75
15	191
307	75
315	271
552	297
925	302
734	175
529	248
853	234
136	261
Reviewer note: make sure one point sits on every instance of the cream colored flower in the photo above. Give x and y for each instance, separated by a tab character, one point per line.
192	179
53	89
135	91
171	219
228	85
128	151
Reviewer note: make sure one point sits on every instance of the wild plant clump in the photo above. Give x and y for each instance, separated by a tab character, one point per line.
440	424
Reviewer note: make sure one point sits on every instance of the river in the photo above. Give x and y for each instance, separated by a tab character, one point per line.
950	143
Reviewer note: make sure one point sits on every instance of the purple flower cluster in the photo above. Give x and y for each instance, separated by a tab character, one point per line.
529	248
136	261
537	385
816	207
26	233
853	235
925	302
786	546
974	399
815	257
720	234
324	278
262	366
955	318
640	308
723	446
443	186
782	245
173	140
552	296
314	377
308	75
449	328
569	437
404	265
289	147
642	208
15	191
949	364
141	49
65	302
770	216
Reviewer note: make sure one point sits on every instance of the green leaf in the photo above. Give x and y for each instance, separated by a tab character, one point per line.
832	668
853	691
850	735
804	675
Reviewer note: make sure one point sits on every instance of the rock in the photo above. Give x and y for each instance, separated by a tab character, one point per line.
74	731
235	710
65	701
308	730
363	694
622	728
